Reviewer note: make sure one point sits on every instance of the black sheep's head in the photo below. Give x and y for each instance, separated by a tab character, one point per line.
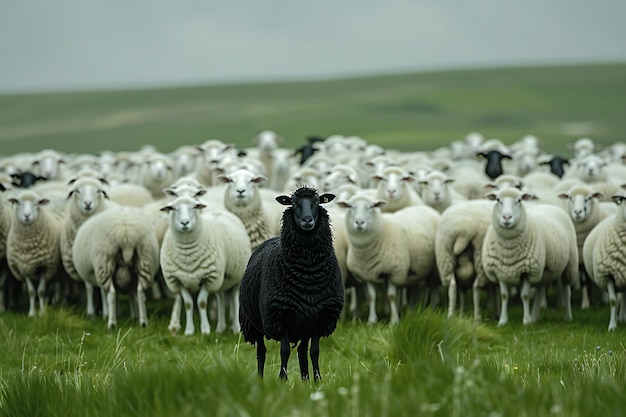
305	203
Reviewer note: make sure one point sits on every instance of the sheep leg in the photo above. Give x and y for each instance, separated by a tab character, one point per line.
174	326
540	295
234	310
621	316
188	299
371	294
111	301
105	304
353	302
141	306
433	292
504	296
476	301
221	312
203	296
525	296
261	352
4	276
452	294
132	304
41	295
315	358
303	359
567	300
393	302
613	304
285	350
91	310
584	288
31	297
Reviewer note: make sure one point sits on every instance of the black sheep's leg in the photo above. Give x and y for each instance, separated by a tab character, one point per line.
261	351
303	358
285	350
315	357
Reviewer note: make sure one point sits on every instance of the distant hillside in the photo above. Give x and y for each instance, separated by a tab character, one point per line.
408	112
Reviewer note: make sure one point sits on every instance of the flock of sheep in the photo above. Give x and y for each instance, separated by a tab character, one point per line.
474	214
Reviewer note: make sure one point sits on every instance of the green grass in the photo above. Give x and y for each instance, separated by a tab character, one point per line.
63	364
406	111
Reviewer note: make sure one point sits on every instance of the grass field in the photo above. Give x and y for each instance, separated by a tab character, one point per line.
406	112
64	364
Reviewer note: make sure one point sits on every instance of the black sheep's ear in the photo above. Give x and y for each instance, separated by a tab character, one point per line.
285	200
326	198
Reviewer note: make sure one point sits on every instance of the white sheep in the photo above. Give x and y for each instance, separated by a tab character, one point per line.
49	164
529	245
437	193
393	248
586	212
184	159
458	249
243	197
117	250
212	152
157	172
87	198
393	186
33	245
604	257
204	253
5	223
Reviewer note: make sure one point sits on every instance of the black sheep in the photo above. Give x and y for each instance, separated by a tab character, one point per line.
306	151
494	158
292	289
556	165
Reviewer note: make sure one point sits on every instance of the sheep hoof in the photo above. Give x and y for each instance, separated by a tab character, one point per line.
112	326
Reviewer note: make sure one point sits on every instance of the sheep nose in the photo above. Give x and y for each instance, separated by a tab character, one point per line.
391	193
184	222
88	204
307	219
506	217
359	222
578	213
240	192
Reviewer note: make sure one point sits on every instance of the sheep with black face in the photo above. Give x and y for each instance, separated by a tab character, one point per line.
292	289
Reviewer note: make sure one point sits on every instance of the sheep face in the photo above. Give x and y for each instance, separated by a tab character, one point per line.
159	168
591	169
339	176
393	183
362	212
242	186
27	207
213	151
508	211
87	195
435	187
267	140
305	206
183	213
48	164
580	204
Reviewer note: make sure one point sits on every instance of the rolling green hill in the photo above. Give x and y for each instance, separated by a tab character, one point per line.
407	112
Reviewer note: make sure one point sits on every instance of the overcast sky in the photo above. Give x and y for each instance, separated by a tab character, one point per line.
84	44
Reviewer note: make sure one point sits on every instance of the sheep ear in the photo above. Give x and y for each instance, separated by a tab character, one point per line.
448	180
199	206
2	187
623	186
71	181
224	179
491	196
70	194
344	204
166	209
285	200
43	201
103	180
379	203
170	192
260	179
200	192
104	194
490	186
408	178
598	195
377	178
528	197
326	198
12	200
563	196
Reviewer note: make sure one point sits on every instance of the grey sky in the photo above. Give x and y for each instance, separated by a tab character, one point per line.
77	44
